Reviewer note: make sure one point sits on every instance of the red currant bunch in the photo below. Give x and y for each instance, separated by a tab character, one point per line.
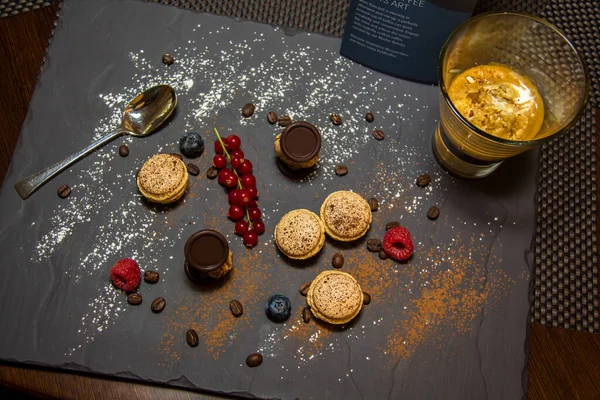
241	185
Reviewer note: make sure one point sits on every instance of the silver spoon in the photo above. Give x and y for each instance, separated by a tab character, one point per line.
141	117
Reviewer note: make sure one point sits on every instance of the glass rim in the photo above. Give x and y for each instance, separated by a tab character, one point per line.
480	132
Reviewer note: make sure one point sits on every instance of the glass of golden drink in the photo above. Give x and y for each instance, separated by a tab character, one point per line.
508	82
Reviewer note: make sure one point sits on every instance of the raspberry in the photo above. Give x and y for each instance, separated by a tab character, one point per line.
398	244
125	274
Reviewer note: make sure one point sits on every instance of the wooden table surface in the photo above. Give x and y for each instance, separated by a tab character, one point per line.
563	364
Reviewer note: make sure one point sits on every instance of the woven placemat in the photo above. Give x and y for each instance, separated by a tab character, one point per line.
12	7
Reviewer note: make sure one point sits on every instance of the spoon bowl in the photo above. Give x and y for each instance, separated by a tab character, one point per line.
149	110
142	116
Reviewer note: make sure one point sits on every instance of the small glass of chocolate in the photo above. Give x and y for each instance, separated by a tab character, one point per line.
207	256
297	149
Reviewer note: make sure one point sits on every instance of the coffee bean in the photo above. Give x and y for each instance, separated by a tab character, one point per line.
304	288
192	338
64	191
341	170
167	59
212	173
123	151
335	119
135	299
378	134
151	276
284	120
236	308
391	225
337	261
373	203
248	110
254	360
382	254
374	245
369	117
366	298
193	169
433	213
158	304
423	180
177	155
306	315
271	117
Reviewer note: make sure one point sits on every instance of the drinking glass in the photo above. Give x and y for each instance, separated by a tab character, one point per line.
527	45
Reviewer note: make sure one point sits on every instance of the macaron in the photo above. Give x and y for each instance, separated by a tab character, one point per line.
346	215
300	234
163	179
335	297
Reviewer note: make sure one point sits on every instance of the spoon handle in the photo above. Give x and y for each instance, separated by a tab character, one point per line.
27	186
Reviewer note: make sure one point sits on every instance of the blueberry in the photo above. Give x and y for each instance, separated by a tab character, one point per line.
278	308
191	144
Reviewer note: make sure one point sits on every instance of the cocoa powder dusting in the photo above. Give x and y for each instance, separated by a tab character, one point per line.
454	290
207	311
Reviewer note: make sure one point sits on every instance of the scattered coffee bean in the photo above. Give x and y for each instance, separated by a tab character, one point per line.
284	120
151	276
212	173
382	254
192	338
236	308
135	299
378	134
366	298
64	191
304	288
272	117
167	59
373	203
433	213
158	304
423	180
337	261
335	119
193	169
391	225
370	117
248	110
123	151
374	245
306	315
254	360
177	155
341	170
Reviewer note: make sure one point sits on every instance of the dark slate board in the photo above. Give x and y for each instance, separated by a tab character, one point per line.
451	323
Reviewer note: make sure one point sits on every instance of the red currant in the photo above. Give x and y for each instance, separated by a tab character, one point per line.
237	153
250	238
235	213
223	175
218	147
248	181
252	204
234	197
236	162
253	192
245	197
233	141
231	181
245	168
259	227
241	227
219	161
254	213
